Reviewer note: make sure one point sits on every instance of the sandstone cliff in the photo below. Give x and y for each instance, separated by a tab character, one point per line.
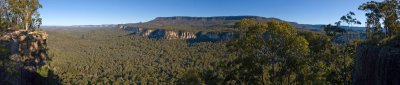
196	29
28	51
185	35
378	65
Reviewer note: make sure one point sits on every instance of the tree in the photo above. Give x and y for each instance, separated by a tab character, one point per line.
23	13
268	53
386	11
252	53
374	29
290	49
333	30
322	60
3	15
390	13
350	21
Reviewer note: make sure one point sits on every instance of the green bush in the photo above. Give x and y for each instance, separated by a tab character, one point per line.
43	71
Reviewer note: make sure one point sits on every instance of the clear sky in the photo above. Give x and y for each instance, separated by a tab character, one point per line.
92	12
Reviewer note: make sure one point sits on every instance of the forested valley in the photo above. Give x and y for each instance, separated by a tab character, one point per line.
255	50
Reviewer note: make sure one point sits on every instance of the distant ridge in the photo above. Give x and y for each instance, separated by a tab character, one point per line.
215	18
188	23
211	19
228	20
216	23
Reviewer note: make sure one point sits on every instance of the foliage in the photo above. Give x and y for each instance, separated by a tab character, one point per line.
326	60
43	71
271	52
333	30
274	53
3	51
109	56
268	53
349	19
250	48
18	14
385	11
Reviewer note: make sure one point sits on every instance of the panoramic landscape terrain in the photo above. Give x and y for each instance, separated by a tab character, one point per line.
238	42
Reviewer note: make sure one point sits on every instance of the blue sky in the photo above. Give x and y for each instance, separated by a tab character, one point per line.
92	12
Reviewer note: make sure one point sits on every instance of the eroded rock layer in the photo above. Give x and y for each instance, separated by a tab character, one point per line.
28	51
184	35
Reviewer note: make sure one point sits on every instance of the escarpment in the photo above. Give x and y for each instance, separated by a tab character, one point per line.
25	46
26	53
183	35
377	65
196	29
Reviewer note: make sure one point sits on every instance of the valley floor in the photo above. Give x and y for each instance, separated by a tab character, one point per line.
111	56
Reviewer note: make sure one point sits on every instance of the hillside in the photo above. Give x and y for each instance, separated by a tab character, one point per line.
217	23
214	29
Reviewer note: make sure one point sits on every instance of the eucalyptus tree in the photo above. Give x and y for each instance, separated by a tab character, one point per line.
268	53
386	11
3	15
26	12
374	29
350	21
390	13
333	30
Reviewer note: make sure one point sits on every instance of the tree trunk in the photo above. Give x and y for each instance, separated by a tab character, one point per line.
26	25
26	20
288	80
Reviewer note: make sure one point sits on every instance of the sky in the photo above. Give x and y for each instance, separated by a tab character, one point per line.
95	12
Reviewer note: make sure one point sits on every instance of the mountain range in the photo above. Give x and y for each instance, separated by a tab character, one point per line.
187	23
217	23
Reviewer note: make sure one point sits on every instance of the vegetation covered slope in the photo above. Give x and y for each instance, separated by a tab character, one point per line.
195	24
111	56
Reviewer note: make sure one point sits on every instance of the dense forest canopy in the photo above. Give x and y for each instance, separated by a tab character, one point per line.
262	51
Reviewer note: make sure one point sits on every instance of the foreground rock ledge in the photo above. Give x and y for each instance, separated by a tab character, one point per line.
377	65
28	49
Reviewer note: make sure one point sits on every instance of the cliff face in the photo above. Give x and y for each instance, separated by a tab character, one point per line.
216	23
160	33
171	35
222	27
377	65
28	50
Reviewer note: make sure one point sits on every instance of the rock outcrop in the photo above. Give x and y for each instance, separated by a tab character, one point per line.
195	29
377	65
172	35
28	50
